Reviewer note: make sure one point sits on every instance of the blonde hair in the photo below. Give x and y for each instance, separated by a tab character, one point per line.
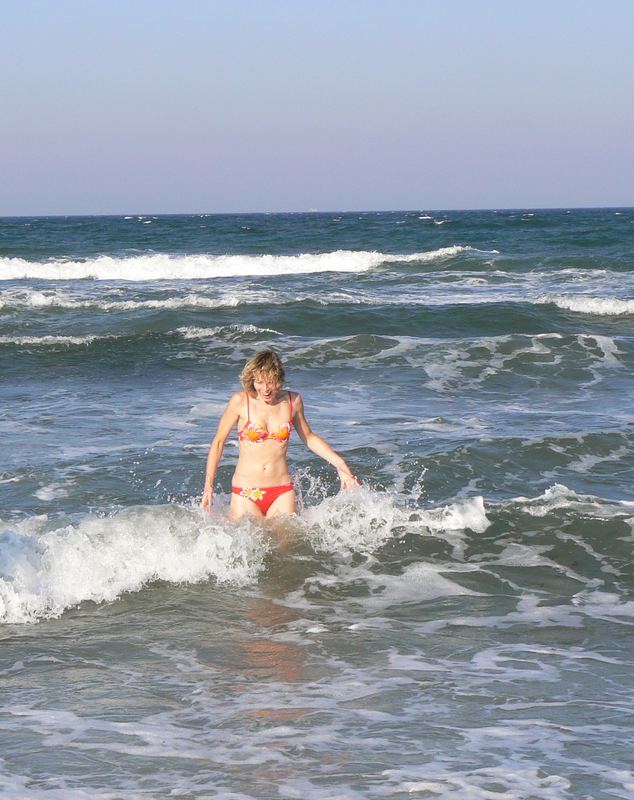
265	364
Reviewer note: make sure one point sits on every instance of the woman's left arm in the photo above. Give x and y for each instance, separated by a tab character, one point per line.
320	446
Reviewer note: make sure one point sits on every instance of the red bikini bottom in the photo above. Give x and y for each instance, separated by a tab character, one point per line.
263	498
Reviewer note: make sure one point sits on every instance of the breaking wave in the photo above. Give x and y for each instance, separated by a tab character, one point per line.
46	570
162	266
600	306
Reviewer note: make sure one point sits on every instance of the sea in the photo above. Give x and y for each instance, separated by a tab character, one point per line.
460	627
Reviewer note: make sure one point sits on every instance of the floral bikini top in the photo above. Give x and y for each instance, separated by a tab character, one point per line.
256	433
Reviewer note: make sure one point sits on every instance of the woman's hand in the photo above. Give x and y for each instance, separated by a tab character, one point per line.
208	499
348	480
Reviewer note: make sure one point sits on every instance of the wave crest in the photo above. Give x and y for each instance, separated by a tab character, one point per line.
162	266
45	572
600	306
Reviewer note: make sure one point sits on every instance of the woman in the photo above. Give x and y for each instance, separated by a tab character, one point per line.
265	416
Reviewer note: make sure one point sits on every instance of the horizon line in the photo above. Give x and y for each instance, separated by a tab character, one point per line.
315	212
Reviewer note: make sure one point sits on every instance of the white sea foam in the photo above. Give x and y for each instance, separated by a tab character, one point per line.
230	333
606	346
363	520
561	497
453	363
188	301
604	605
52	341
162	266
582	304
461	515
418	582
587	462
44	572
52	491
225	331
30	298
12	299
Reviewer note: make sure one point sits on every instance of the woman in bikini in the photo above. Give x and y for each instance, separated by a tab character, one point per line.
265	416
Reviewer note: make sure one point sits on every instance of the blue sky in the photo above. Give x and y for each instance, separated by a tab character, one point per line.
211	106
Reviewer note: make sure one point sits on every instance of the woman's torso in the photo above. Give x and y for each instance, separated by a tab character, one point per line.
264	432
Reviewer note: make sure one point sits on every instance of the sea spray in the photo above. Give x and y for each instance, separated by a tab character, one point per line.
99	558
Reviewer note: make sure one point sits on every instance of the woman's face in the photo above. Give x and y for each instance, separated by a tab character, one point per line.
265	388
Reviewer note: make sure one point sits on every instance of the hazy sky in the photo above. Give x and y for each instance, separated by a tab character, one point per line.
116	106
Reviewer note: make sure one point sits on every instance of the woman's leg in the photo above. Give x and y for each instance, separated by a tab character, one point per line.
284	504
241	506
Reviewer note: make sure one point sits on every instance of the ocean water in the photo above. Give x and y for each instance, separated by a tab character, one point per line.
461	627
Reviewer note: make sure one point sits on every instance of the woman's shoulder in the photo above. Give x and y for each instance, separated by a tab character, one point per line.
236	399
296	399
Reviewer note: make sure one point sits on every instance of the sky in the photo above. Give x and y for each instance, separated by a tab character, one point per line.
187	106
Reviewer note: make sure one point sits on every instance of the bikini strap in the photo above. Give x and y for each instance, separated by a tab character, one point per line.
248	411
290	400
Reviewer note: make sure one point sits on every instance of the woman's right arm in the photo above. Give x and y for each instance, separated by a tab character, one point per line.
228	420
321	447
